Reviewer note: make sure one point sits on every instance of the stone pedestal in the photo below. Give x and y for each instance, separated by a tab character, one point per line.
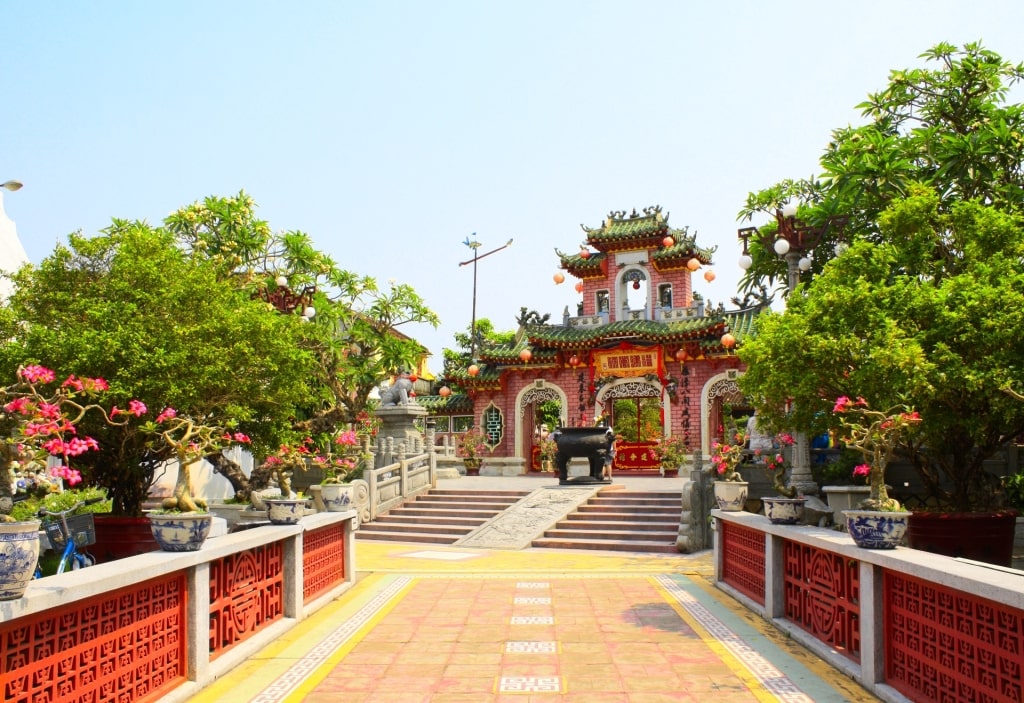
398	422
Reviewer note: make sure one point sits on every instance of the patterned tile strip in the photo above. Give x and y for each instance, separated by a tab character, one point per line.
305	666
774	681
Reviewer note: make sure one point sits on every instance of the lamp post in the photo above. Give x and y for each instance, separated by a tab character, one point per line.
475	246
12	185
794	242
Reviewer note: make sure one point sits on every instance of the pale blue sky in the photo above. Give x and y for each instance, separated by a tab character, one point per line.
389	131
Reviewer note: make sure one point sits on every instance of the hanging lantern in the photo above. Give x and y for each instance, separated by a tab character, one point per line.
413	377
526	355
636	285
667	242
444	391
584	253
558	278
473	370
709	275
693	264
574	361
681	355
728	341
579	286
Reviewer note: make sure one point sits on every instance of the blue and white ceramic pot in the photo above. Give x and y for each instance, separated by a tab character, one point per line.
337	496
180	532
876	529
285	511
19	552
731	496
784	511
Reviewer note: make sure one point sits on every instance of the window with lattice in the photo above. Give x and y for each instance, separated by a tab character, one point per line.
493	425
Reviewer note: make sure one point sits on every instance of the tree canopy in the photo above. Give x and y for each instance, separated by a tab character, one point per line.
924	308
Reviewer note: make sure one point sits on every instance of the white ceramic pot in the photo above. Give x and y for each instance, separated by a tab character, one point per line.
731	495
337	496
285	511
180	532
19	552
784	511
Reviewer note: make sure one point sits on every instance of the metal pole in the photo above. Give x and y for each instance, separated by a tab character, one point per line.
475	246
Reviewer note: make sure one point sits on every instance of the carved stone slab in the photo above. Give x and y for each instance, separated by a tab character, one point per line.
520	524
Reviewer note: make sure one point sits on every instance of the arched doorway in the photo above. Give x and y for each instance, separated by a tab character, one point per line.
536	405
720	392
634	408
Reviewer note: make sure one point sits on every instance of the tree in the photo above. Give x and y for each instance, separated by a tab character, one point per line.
160	326
930	319
947	127
922	309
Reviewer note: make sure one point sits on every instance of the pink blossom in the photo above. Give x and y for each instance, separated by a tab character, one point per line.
166	414
34	373
862	470
241	437
137	407
347	438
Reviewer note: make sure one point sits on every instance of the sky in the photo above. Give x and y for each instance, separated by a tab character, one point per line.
390	131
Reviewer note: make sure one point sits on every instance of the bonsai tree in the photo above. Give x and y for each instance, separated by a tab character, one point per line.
162	328
922	309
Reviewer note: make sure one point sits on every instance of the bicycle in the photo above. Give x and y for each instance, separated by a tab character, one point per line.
72	534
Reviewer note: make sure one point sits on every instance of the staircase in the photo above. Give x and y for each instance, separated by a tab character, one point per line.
439	516
627	521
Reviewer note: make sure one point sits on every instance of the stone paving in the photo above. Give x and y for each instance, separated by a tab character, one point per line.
455	625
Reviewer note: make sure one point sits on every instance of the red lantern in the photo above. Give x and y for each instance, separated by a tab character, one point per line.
574	360
693	264
579	286
444	391
636	285
709	275
584	253
667	242
413	377
681	354
473	370
558	278
728	341
526	355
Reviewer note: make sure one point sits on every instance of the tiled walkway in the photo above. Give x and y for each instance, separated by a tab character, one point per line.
476	626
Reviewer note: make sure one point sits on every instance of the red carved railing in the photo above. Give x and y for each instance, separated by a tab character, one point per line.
323	560
950	646
245	595
127	645
822	596
743	560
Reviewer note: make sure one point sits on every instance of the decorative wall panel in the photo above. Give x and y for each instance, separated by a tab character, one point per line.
949	646
246	595
743	560
822	596
323	560
125	646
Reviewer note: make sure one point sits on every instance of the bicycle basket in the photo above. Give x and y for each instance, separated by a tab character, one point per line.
82	528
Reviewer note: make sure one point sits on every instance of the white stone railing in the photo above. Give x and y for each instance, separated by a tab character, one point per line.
393	484
908	625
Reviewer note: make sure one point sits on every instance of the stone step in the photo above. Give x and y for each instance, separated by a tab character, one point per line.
585	522
418	537
459	505
391	526
619	509
638	502
614	535
473	494
432	512
442	519
606	544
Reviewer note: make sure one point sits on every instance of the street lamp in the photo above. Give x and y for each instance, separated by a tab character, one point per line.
475	246
794	241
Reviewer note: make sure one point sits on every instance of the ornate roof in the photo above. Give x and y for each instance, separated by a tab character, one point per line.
620	232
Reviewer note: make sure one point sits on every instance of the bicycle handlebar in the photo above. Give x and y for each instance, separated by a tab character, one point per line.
43	512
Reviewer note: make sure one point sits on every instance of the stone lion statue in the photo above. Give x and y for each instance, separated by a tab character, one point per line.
399	392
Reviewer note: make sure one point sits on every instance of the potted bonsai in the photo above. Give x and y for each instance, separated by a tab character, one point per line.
471	448
786	508
880	521
183	523
730	488
547	449
672	453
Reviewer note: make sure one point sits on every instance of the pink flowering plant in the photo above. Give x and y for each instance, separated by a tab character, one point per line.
875	434
39	419
471	445
190	440
726	457
774	463
671	452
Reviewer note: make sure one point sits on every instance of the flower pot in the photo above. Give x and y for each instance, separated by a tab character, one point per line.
285	511
731	495
784	511
19	552
876	529
231	512
843	498
986	537
180	532
337	497
472	466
